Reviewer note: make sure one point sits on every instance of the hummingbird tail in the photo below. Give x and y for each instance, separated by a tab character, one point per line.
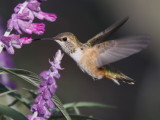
116	77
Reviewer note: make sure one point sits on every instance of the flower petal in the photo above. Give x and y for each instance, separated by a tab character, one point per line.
18	7
50	104
25	40
10	50
46	94
47	16
41	109
37	28
44	74
34	5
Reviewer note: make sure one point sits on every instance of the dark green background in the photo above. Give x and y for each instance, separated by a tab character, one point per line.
85	18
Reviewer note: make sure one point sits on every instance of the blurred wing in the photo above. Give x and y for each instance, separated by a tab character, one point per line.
114	50
107	32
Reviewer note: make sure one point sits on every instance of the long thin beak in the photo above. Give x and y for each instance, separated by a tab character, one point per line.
38	39
55	38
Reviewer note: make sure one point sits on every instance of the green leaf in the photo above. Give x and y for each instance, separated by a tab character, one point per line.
7	92
33	93
59	105
11	113
86	104
12	103
74	117
34	80
15	95
28	76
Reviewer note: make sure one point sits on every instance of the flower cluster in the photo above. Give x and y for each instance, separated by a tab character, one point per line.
22	22
44	104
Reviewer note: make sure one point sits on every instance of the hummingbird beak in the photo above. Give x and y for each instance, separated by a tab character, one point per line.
55	39
38	39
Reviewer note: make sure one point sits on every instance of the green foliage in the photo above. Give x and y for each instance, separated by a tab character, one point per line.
34	79
86	104
7	92
73	117
60	107
17	96
33	93
28	76
11	113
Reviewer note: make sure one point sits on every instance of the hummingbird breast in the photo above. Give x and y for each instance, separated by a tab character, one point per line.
77	55
87	63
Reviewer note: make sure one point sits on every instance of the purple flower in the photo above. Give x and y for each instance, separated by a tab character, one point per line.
11	41
14	40
37	28
43	102
22	22
34	5
25	40
47	16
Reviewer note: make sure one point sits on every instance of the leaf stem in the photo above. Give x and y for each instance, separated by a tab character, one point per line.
13	103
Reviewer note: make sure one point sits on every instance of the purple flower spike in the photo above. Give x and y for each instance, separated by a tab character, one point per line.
22	22
43	102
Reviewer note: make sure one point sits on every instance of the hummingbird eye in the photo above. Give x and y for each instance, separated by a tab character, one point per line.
64	39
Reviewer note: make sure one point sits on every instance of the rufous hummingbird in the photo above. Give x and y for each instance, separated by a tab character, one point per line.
92	57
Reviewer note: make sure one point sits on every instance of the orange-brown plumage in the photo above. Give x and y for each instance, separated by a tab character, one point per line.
88	61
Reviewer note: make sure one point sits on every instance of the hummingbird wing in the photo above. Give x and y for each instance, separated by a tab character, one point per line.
107	32
114	50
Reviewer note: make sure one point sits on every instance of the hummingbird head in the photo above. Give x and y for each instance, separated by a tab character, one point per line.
68	42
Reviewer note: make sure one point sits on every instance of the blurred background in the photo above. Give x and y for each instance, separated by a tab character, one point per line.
85	18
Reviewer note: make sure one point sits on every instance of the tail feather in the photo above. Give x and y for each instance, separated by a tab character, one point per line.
115	81
127	79
116	77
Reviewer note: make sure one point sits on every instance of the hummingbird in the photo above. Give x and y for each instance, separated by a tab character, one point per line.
93	56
